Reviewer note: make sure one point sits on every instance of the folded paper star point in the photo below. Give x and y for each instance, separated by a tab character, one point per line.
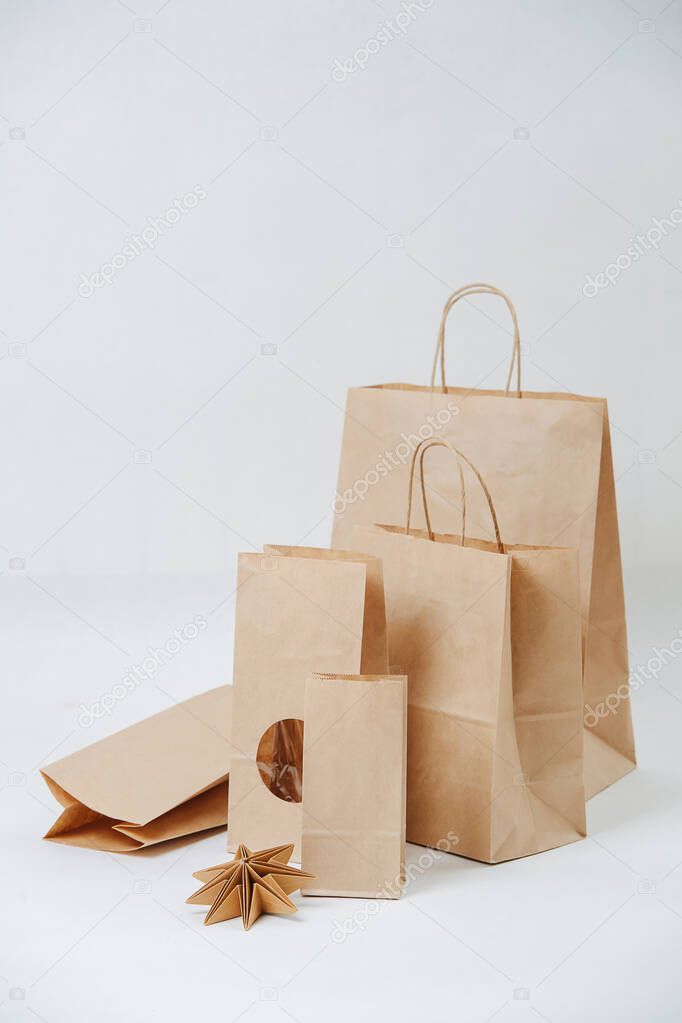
250	884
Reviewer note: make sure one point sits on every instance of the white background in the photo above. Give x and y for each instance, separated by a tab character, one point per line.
522	143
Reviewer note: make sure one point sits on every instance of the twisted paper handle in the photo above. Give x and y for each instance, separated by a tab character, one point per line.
419	452
478	289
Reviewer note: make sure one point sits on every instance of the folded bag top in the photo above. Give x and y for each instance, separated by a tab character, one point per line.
546	457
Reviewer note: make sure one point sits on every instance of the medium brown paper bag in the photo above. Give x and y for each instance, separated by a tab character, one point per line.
547	459
489	637
162	778
354	764
299	610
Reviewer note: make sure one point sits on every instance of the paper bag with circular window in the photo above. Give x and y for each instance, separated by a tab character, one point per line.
299	610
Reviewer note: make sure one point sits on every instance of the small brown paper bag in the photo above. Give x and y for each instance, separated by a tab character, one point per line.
489	636
546	457
354	770
161	778
299	610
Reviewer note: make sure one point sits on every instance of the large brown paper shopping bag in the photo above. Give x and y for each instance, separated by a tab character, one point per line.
354	775
547	459
489	637
299	610
162	778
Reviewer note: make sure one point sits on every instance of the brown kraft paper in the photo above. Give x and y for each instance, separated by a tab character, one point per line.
546	457
489	637
161	778
354	789
299	610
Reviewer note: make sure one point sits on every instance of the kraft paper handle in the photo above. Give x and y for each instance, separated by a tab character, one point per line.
420	452
478	289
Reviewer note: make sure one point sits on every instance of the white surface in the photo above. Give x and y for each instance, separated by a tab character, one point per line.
337	241
579	927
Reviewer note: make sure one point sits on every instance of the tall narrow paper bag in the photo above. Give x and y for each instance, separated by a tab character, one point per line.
354	771
299	610
489	637
546	457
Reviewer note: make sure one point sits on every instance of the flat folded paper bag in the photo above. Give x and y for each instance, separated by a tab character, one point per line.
162	778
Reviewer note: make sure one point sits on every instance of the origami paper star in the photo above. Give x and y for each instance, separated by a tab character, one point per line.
250	884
